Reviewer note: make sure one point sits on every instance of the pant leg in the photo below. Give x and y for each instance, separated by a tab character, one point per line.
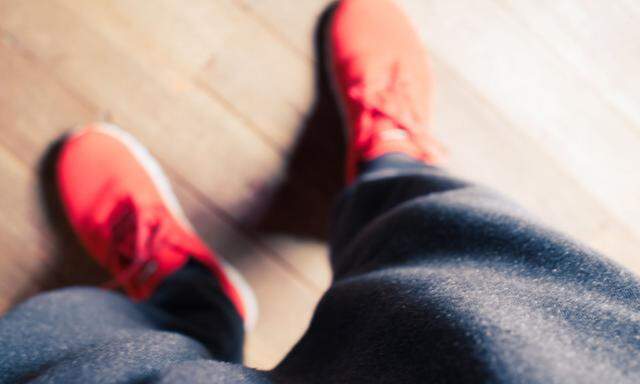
197	307
439	280
88	335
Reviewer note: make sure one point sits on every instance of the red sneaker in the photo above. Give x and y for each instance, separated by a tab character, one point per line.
381	73
122	208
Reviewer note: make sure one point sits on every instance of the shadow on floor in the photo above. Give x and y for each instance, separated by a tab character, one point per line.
302	204
70	264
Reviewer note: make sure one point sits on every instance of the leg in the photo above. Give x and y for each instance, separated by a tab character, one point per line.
197	307
438	280
91	335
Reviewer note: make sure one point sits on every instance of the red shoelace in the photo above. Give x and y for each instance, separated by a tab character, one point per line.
388	96
135	237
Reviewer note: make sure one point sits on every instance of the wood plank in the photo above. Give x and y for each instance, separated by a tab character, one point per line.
23	246
253	74
598	40
31	118
264	79
295	25
189	130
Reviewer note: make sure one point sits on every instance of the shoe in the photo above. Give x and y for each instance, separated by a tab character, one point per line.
121	206
382	79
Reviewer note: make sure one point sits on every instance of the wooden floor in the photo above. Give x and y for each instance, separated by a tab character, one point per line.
540	99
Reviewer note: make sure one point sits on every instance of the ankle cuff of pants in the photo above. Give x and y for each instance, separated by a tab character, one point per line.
393	161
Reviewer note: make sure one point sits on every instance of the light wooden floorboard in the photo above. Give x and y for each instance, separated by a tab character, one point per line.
602	50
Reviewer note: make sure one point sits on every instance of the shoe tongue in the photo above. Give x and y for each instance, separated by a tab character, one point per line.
386	90
136	232
123	222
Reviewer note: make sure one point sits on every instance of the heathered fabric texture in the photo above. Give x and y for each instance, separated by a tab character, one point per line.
436	281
